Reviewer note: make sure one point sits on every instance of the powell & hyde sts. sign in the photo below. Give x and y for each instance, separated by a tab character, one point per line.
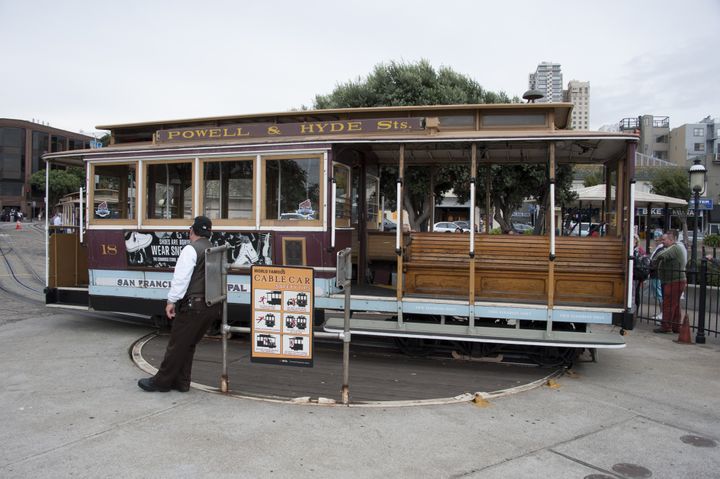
268	130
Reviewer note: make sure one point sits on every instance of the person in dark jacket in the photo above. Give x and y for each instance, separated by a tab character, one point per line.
670	267
187	308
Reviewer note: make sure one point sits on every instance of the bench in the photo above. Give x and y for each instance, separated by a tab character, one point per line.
588	271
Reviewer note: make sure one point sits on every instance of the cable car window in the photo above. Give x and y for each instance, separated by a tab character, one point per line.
343	204
169	191
114	195
228	189
292	189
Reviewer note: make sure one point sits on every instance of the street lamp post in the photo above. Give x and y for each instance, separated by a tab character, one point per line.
697	185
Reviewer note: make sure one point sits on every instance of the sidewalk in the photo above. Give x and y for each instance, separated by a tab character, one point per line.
69	406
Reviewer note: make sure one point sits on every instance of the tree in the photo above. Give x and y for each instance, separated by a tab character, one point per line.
62	182
398	84
673	182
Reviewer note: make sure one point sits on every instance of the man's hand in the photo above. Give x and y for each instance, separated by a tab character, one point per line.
170	310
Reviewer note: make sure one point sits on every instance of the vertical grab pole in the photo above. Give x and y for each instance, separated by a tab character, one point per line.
332	213
47	224
346	330
82	215
471	295
631	246
399	235
551	256
224	387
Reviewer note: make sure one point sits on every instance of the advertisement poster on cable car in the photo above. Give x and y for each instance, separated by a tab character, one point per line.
282	315
160	249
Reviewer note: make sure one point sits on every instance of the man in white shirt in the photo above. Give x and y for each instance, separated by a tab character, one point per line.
190	314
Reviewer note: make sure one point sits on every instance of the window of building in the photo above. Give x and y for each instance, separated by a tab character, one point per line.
228	190
58	143
40	146
168	194
699	147
293	190
12	154
698	132
78	144
114	194
343	202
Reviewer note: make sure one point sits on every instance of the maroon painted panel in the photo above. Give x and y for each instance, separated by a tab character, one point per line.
106	249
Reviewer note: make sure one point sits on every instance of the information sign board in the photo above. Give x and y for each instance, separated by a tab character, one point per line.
282	315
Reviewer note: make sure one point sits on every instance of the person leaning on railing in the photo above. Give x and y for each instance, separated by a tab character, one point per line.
669	264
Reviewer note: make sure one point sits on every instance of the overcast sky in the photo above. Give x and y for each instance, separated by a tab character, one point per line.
78	64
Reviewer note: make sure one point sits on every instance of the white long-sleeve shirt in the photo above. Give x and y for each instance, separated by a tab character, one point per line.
183	272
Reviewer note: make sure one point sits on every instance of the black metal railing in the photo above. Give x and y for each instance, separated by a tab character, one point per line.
700	300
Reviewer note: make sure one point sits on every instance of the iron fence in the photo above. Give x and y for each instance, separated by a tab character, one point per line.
700	301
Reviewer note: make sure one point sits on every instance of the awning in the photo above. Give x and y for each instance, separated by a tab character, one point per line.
596	194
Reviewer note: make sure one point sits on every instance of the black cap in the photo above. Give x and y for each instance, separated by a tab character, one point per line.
202	226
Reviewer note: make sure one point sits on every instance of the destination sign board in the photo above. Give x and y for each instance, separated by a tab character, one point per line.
268	130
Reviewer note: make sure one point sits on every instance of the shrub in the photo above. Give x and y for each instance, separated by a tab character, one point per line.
712	241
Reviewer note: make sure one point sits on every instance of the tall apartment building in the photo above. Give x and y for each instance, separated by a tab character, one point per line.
547	79
578	93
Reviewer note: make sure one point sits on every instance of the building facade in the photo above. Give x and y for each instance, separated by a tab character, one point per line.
578	93
699	140
654	134
22	143
547	79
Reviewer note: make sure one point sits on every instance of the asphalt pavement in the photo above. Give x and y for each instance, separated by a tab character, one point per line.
70	407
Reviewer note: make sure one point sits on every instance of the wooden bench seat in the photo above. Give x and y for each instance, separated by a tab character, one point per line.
516	267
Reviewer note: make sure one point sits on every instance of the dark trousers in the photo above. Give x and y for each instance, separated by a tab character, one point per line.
188	328
671	305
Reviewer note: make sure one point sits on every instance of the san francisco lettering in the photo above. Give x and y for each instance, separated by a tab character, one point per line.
313	128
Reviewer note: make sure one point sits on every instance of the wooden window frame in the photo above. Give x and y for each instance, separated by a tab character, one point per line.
264	221
91	197
145	184
228	221
287	239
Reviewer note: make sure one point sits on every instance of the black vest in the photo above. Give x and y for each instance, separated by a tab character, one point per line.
196	288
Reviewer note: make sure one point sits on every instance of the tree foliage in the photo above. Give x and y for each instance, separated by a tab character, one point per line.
402	84
61	181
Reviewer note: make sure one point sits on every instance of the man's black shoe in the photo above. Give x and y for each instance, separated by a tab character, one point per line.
182	389
148	384
661	331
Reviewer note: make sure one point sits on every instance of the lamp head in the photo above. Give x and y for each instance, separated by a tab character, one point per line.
697	176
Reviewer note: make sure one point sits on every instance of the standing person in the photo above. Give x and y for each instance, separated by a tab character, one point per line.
655	285
640	272
671	271
186	307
